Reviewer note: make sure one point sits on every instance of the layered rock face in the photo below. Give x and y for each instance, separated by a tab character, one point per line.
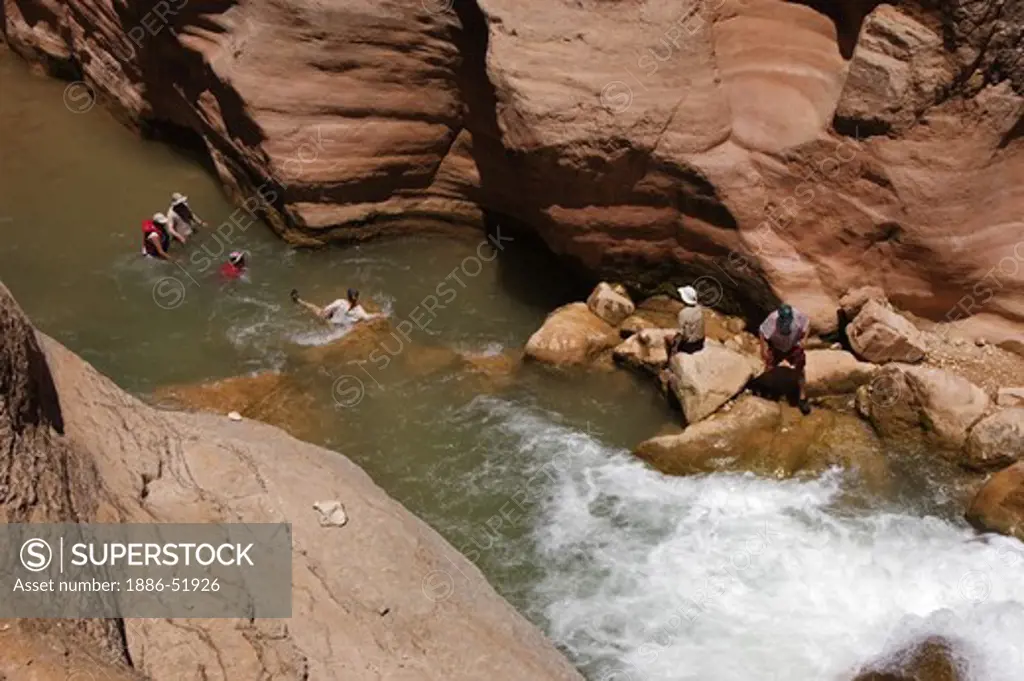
382	597
776	149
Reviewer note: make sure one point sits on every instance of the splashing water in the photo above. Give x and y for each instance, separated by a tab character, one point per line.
730	577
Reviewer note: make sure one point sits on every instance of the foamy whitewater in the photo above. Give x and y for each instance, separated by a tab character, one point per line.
735	578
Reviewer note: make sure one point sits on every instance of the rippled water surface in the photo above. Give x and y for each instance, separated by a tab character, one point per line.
635	575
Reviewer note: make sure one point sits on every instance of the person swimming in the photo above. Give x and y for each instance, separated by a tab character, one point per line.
235	267
342	312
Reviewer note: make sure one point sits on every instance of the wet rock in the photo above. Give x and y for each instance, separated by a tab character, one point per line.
491	372
719	440
854	300
836	372
765	437
271	397
902	400
374	337
1010	397
611	305
931	660
704	381
996	441
879	334
999	505
571	335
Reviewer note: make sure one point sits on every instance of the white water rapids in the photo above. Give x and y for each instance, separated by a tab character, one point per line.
735	578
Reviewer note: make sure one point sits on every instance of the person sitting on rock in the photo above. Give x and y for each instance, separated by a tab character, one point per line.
342	312
690	338
182	218
782	335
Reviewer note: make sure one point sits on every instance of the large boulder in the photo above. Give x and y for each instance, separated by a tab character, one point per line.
767	438
612	304
999	505
571	335
879	334
854	300
931	660
704	381
836	372
903	399
644	350
996	441
717	441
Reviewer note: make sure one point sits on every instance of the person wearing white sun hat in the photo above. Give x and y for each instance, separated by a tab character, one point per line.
690	337
182	218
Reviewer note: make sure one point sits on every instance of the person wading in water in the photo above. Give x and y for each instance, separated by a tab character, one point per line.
155	238
182	218
342	312
782	335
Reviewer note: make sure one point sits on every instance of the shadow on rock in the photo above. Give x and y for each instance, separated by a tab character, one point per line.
777	384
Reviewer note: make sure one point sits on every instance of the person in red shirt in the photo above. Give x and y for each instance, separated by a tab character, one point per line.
235	266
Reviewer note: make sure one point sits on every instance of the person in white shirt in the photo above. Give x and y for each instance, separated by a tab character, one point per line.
182	218
342	312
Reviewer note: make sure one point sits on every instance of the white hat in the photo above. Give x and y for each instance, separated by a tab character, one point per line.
177	198
688	294
236	257
159	217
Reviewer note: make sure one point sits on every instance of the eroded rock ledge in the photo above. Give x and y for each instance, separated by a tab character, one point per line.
776	150
382	597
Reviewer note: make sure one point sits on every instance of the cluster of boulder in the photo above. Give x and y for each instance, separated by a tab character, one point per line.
880	358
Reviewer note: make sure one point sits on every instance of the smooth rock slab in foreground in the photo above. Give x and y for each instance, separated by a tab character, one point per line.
87	451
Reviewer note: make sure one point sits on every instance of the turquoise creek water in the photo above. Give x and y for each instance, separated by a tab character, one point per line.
633	574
